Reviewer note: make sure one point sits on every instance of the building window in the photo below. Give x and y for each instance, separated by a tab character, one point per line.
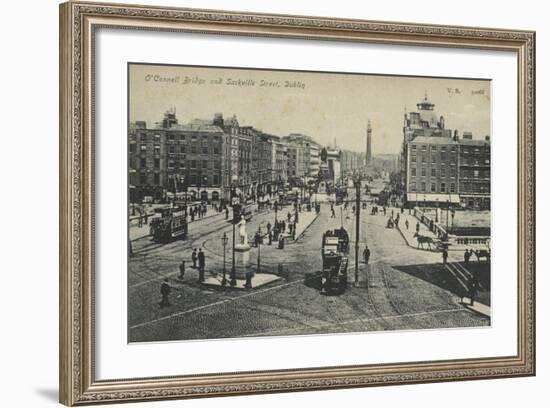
443	172
132	148
423	189
423	148
157	138
171	137
182	137
205	164
172	149
414	147
204	150
216	150
452	188
143	178
142	162
423	171
205	138
193	138
157	164
193	149
182	149
413	172
476	173
423	159
413	159
193	164
432	187
170	164
433	172
215	180
443	188
157	179
157	149
143	147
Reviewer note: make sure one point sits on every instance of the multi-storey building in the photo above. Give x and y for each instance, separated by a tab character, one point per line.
432	170
351	161
311	153
334	166
171	156
438	167
475	172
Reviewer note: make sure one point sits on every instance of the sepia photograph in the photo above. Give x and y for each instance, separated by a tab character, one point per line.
268	202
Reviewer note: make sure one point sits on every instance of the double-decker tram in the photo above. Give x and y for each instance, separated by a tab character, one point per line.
335	247
242	210
172	224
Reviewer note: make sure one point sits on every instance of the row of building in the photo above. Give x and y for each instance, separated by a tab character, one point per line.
211	157
438	166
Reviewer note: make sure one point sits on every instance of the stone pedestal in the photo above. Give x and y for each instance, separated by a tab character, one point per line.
242	261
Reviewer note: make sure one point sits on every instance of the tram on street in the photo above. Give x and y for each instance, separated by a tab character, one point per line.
172	224
241	211
335	247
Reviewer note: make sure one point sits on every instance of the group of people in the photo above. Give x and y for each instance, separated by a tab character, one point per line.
199	262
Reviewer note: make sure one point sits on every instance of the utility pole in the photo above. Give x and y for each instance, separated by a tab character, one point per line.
357	210
233	274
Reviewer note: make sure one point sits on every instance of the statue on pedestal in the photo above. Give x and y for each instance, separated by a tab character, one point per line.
242	232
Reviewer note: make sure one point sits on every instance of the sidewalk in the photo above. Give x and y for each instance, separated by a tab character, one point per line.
476	307
305	219
408	234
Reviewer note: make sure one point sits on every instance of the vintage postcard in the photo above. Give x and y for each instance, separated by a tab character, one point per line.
278	203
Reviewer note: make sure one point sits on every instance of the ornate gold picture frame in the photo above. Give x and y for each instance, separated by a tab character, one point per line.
78	24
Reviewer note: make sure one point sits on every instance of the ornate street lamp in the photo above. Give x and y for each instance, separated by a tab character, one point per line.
224	243
233	274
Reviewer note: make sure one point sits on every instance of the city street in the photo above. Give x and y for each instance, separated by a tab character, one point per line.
402	288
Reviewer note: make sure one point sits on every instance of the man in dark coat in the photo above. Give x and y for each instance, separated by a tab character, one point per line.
165	290
366	254
202	264
194	258
182	270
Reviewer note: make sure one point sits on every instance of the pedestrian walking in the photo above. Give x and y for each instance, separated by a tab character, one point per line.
165	290
384	208
472	288
289	217
333	213
194	258
226	213
417	227
202	265
146	218
467	256
182	270
366	254
445	254
407	224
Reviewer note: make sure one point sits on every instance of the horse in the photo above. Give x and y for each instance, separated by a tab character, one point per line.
421	239
483	253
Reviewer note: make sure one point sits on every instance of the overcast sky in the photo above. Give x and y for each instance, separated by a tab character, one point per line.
323	106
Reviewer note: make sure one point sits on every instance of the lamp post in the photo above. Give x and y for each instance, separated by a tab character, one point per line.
233	274
259	245
447	223
357	182
224	243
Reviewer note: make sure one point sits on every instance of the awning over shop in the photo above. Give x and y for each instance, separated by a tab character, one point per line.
433	198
